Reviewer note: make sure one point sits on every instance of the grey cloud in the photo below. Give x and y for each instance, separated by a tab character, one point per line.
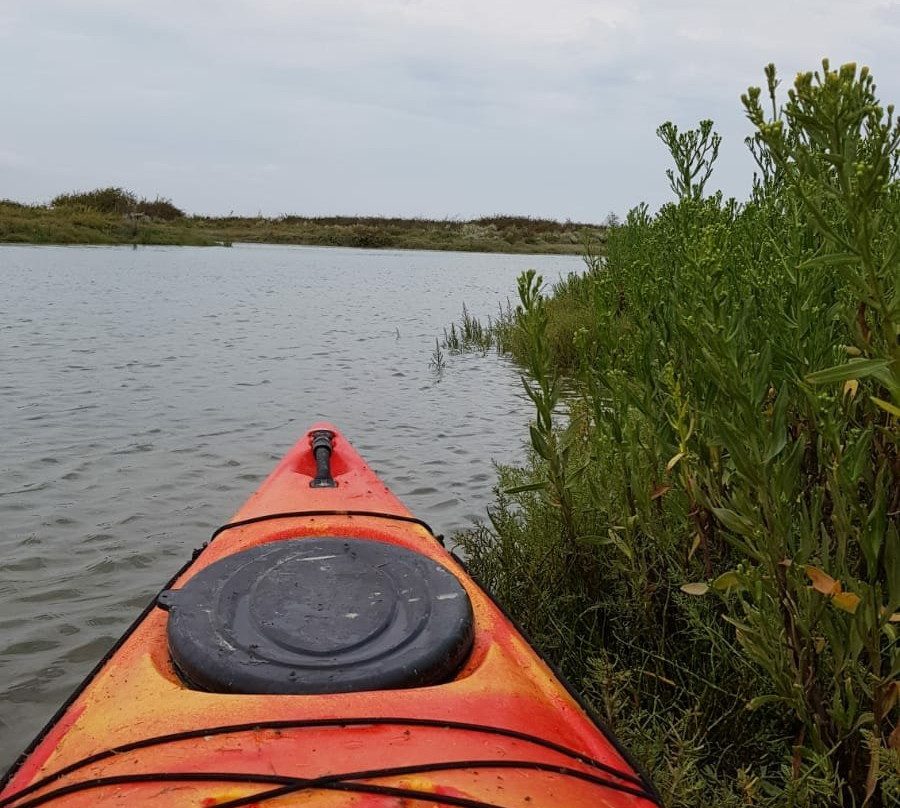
416	108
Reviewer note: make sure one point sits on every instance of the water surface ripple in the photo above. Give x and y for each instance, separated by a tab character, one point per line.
145	393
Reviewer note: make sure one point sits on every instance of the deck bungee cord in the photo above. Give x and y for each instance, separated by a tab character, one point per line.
332	781
272	726
255	520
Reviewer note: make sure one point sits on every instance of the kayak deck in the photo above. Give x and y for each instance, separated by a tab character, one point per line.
502	731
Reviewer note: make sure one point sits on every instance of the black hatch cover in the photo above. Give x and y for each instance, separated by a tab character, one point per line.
319	615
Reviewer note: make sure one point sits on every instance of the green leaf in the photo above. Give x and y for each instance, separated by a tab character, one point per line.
621	545
886	406
521	489
831	259
695	588
729	580
760	701
539	442
759	384
734	521
854	369
789	468
779	435
612	538
743	462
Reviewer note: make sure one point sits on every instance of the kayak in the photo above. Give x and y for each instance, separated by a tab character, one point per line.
324	649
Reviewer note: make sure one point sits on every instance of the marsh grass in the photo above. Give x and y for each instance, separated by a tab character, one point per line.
27	224
437	361
116	216
708	544
470	334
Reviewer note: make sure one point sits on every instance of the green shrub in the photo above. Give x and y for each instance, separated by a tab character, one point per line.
709	542
159	208
102	200
119	202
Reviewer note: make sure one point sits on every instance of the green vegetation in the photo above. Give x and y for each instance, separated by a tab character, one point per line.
75	224
707	541
471	334
118	202
116	216
510	234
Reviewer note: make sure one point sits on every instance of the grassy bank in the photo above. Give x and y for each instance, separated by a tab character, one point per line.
38	224
76	221
708	541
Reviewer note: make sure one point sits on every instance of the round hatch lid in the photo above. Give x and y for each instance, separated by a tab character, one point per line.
319	615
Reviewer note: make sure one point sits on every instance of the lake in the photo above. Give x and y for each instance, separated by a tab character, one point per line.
144	394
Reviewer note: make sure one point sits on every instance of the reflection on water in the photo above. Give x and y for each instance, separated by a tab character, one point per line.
145	393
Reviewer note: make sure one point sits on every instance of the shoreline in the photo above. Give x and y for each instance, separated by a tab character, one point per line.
45	226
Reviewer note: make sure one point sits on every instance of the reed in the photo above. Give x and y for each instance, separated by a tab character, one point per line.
470	335
437	361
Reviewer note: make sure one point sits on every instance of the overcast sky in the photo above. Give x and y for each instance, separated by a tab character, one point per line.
436	108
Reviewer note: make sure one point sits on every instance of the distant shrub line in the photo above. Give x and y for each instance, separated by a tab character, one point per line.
118	201
96	217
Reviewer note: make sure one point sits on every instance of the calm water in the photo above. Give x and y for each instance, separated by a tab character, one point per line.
145	393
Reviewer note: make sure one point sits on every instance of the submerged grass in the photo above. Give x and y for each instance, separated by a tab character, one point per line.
470	335
708	543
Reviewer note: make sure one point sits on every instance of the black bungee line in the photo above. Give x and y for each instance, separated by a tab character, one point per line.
176	737
323	512
362	788
336	780
340	782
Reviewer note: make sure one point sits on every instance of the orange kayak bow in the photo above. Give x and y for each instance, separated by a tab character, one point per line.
324	649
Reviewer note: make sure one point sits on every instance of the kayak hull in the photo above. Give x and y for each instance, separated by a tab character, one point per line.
503	731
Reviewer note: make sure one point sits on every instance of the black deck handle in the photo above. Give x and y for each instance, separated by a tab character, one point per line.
322	446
